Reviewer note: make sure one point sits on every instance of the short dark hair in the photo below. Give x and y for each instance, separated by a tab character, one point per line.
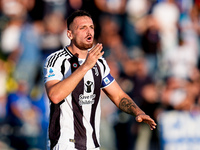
77	13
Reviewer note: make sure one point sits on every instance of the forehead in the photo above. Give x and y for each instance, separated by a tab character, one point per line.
82	20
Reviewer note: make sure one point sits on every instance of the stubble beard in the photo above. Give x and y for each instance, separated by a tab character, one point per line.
83	46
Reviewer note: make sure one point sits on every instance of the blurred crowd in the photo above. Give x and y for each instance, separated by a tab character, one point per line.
151	46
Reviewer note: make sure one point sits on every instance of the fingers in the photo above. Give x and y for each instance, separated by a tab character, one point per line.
152	125
146	119
96	51
93	55
96	47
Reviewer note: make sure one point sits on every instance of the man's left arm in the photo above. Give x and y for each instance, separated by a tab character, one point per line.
126	104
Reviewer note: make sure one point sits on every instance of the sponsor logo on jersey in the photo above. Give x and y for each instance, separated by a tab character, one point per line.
86	99
88	86
51	73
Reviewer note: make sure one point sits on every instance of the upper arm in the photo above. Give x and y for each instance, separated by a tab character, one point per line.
115	93
50	84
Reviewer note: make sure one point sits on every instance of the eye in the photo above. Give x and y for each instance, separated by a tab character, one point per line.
92	27
82	27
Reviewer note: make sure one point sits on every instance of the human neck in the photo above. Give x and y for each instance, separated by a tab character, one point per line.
78	52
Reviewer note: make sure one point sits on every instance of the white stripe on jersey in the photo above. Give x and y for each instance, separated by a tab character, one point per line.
87	114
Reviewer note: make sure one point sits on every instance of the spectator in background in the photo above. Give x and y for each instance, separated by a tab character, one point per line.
111	7
180	60
3	94
175	95
15	13
24	52
150	43
29	56
73	5
41	102
145	93
190	29
55	5
36	9
136	12
113	43
117	9
54	27
196	8
167	14
3	101
194	89
22	118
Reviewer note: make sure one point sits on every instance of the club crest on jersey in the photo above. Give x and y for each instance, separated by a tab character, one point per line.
51	73
96	70
75	65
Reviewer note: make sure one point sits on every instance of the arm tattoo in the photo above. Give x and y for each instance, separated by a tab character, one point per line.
126	105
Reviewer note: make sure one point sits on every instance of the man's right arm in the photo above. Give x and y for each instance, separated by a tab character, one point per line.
58	90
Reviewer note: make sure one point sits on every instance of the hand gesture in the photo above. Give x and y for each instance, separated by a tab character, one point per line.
93	55
146	119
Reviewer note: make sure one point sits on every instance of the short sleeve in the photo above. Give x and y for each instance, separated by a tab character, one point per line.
52	72
107	78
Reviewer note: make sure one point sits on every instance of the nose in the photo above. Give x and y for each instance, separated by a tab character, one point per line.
88	31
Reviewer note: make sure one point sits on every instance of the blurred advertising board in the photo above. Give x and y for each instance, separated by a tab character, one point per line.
179	130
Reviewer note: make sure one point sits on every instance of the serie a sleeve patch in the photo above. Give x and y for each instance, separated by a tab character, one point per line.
52	74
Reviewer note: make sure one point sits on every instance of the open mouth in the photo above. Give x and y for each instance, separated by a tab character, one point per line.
89	38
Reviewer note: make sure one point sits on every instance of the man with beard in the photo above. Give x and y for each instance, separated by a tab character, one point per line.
74	77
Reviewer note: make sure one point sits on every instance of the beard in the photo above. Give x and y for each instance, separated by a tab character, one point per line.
83	46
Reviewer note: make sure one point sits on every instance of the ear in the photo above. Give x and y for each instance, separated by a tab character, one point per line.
69	34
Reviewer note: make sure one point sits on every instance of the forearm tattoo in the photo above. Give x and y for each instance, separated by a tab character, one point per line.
126	105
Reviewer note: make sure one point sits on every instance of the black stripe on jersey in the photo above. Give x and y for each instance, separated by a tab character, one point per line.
63	67
97	87
50	60
74	63
101	61
53	58
54	124
59	55
68	52
80	131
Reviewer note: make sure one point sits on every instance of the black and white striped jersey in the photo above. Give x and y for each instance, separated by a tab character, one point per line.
75	120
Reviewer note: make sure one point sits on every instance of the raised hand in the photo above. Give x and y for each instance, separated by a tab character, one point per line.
93	55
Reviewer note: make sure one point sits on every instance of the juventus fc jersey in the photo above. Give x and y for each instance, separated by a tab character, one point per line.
75	120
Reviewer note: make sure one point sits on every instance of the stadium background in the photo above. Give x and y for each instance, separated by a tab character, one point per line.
151	46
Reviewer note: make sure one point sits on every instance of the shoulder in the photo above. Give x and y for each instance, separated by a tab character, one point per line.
58	56
58	53
103	66
102	60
